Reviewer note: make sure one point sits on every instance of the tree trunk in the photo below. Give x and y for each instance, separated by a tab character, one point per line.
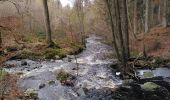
0	40
112	27
119	26
125	28
147	16
165	21
159	13
135	17
48	25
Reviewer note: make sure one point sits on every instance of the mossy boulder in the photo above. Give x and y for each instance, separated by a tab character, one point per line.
51	53
150	86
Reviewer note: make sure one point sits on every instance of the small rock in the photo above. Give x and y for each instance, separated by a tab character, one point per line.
128	81
51	82
81	92
41	86
23	63
67	83
150	86
57	57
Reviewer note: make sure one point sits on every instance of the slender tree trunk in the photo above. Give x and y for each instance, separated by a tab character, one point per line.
152	14
147	16
165	21
112	27
0	40
135	17
119	25
48	25
125	28
159	13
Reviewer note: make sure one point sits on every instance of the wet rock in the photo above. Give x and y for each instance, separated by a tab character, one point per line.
51	82
70	57
67	83
114	66
23	63
57	57
150	86
128	81
81	92
41	86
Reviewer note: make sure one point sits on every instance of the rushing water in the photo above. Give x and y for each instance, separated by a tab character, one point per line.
94	73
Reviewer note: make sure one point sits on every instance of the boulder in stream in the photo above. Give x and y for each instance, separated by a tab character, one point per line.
150	86
23	63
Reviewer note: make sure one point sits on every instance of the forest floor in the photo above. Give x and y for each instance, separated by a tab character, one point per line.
40	51
156	42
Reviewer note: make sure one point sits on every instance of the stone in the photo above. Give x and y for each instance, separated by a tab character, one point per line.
150	86
41	86
23	63
57	57
81	92
51	82
127	81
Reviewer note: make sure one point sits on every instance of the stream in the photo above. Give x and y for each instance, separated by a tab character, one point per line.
96	80
94	74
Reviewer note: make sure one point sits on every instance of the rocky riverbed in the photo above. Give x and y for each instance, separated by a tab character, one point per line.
87	76
92	65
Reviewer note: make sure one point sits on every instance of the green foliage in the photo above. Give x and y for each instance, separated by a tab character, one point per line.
26	54
3	74
63	76
51	53
78	47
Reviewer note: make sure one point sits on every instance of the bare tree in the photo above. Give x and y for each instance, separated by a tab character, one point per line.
135	17
119	25
147	15
0	39
125	28
48	25
165	21
80	14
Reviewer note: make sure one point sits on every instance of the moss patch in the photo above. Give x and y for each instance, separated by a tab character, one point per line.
150	86
52	53
3	74
63	76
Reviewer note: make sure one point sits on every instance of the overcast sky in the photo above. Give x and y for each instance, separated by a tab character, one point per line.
66	2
